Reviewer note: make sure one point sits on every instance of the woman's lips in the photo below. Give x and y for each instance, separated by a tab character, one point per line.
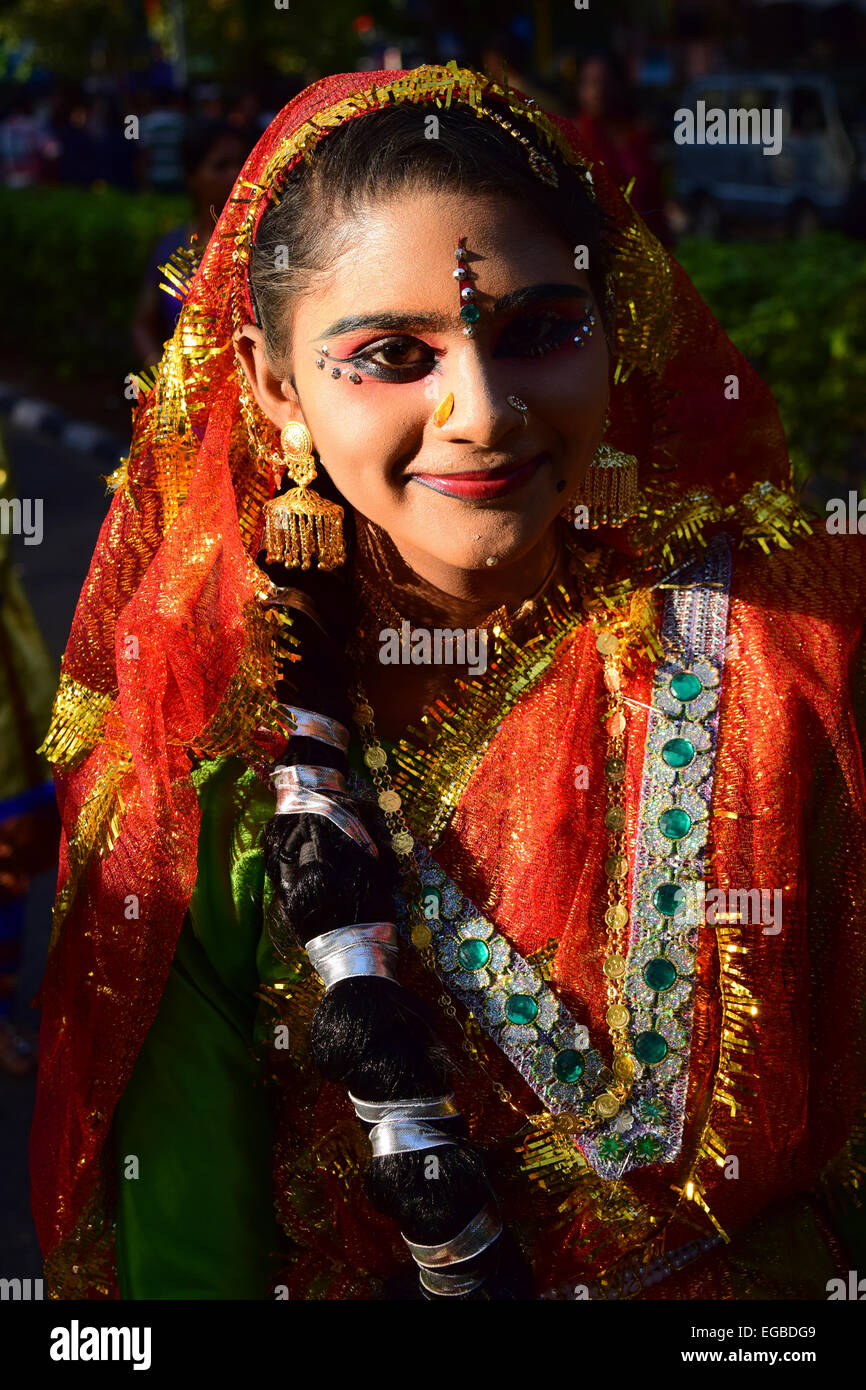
481	484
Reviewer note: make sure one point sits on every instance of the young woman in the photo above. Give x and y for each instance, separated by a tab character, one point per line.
534	960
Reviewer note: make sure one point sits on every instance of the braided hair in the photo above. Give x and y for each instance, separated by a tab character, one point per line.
369	1033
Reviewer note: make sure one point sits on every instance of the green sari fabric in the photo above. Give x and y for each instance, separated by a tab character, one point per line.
198	1221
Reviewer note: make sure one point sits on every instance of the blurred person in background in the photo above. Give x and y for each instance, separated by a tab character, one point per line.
29	825
609	124
26	145
212	153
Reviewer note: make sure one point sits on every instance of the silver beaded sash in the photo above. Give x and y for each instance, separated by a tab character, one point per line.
510	998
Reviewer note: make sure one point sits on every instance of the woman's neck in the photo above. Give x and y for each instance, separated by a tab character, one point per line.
434	594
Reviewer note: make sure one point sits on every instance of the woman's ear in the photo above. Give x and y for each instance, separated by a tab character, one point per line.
275	396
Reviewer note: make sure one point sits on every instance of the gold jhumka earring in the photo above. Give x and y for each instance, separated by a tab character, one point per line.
609	493
609	490
301	526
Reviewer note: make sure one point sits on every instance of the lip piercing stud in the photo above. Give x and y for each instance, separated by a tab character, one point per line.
443	410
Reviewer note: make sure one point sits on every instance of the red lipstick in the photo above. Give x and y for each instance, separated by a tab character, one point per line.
483	483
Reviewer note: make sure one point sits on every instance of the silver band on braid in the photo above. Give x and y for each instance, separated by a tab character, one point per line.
476	1236
441	1266
425	1108
365	948
309	724
299	793
405	1136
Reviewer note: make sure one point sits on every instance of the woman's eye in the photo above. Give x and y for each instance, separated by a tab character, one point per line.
536	335
406	353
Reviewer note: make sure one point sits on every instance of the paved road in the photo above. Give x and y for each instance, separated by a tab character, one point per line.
74	505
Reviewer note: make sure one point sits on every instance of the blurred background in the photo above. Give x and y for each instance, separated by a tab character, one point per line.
122	126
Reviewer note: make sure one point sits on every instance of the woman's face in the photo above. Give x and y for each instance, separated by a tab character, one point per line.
483	483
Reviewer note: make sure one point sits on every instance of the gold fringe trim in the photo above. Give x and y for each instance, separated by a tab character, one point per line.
249	703
733	1085
96	831
77	721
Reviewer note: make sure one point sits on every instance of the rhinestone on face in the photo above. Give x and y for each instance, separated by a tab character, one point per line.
461	273
470	313
320	362
467	293
326	351
354	378
335	371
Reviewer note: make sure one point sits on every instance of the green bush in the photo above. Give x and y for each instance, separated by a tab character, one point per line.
76	259
797	311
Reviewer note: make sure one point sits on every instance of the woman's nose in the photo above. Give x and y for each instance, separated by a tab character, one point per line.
481	413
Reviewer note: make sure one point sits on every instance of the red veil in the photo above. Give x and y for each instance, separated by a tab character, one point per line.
171	655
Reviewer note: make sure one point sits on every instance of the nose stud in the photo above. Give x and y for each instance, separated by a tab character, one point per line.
518	403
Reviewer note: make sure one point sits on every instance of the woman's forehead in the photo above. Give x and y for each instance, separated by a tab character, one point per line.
405	245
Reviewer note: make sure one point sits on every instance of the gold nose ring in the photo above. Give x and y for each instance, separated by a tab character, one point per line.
518	403
443	410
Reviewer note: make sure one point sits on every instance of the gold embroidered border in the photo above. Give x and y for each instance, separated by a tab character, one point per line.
77	720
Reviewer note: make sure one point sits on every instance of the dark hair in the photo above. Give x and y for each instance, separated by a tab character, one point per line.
384	154
369	1034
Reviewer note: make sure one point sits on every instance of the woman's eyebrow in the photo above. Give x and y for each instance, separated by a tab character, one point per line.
390	322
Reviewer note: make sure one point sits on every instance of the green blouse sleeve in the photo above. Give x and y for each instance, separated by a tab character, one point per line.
193	1129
